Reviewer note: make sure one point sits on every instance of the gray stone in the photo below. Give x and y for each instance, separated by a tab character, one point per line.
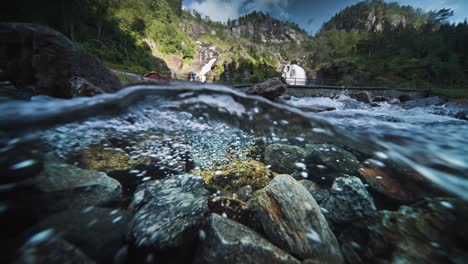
226	241
98	232
39	57
244	193
63	186
168	212
81	87
326	162
309	185
51	250
361	97
284	158
348	201
293	220
270	89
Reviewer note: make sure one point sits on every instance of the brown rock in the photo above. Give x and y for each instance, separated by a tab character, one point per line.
270	89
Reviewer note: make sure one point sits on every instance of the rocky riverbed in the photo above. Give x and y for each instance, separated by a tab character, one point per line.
207	175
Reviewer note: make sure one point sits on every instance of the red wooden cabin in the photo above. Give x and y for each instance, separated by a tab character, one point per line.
156	77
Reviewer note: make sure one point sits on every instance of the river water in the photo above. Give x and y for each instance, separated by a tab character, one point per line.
215	124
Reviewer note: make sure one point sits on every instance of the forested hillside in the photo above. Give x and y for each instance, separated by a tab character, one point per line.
374	41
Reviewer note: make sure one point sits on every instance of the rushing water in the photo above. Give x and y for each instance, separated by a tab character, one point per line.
214	125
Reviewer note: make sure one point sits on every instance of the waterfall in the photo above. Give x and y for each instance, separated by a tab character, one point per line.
294	75
206	68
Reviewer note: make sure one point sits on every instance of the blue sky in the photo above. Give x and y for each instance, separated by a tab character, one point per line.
309	14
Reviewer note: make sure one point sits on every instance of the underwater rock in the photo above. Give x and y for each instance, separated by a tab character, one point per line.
285	158
238	174
98	232
462	115
168	212
293	220
52	250
433	231
326	162
270	89
348	200
40	57
244	193
81	87
309	185
226	241
233	209
397	183
63	186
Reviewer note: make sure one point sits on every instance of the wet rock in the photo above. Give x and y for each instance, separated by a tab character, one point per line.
225	241
326	162
285	158
270	89
397	182
348	200
244	194
462	115
238	174
405	98
63	186
430	232
39	57
51	250
435	100
168	212
309	185
293	220
81	87
98	232
361	97
233	209
394	101
379	99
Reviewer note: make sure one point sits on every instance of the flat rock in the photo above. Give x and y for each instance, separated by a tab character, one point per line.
168	212
98	232
285	158
293	220
51	250
270	89
63	186
226	241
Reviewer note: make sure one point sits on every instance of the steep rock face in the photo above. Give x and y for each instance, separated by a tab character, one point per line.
37	57
374	16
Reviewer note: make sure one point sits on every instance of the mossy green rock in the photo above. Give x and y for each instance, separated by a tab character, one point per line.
240	173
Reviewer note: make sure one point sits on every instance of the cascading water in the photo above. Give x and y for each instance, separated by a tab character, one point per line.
205	69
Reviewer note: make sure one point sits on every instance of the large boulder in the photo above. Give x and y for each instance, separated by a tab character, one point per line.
168	212
432	231
326	162
285	158
37	57
293	220
347	201
226	241
62	186
98	232
270	89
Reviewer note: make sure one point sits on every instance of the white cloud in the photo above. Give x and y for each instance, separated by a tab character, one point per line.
222	10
